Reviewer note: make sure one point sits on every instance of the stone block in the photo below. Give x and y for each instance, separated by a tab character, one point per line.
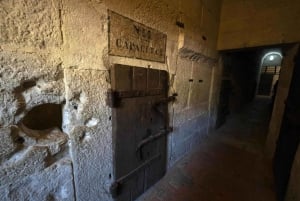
8	107
54	139
30	24
91	146
200	87
17	69
7	142
53	183
26	81
85	28
23	164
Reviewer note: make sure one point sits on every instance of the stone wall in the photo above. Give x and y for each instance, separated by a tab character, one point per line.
87	118
35	164
281	96
293	193
56	52
284	82
258	23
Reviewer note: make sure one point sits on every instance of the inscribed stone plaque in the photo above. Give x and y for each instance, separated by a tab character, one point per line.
128	38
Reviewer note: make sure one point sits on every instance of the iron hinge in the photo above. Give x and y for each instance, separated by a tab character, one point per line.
112	98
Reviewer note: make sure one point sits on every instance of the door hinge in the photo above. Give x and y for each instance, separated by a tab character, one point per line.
112	98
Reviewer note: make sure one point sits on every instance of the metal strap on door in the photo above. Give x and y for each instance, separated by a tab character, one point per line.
116	186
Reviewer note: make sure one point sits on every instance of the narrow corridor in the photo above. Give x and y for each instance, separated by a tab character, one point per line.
228	166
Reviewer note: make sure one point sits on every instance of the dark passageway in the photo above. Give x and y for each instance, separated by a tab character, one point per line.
228	166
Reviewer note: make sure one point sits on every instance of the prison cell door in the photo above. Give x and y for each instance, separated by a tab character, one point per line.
140	124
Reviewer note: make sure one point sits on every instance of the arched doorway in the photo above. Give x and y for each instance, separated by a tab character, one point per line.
269	73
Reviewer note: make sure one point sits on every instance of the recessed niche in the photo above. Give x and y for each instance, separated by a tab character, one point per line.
28	84
43	117
180	24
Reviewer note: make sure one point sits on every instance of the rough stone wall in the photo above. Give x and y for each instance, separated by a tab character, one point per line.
86	116
258	23
279	103
293	193
285	78
57	52
34	164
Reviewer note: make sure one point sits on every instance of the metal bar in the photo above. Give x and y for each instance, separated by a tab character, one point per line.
131	173
165	100
153	137
114	97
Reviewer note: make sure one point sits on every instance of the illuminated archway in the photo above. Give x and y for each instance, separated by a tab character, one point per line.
269	72
267	55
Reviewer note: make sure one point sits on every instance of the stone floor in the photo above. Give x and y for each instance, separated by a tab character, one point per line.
228	166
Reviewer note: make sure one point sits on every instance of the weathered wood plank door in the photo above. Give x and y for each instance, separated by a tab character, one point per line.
140	125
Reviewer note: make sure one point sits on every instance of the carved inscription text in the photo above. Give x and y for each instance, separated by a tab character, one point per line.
131	39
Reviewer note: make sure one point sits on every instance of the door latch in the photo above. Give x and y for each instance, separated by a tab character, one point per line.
166	100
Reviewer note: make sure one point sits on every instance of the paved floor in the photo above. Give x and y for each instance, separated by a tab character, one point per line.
228	166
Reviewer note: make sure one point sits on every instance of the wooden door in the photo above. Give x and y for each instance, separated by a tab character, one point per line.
140	126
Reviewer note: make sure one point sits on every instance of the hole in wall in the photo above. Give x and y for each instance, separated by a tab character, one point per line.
82	136
25	85
204	38
28	84
180	24
20	140
50	197
109	176
43	117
